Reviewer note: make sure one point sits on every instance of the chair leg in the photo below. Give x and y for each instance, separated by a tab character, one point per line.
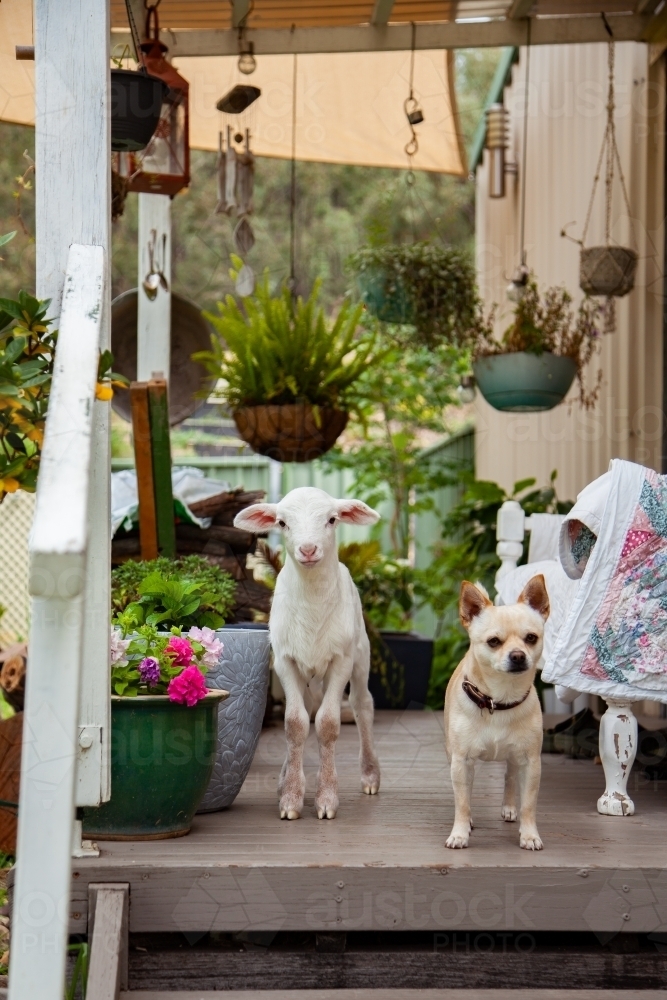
618	748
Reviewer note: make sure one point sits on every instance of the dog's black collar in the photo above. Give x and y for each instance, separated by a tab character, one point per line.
483	700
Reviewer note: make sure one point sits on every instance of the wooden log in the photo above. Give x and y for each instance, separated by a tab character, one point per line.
108	907
237	539
225	506
11	736
161	449
12	674
143	461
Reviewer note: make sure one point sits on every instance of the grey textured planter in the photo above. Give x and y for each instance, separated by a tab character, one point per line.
243	670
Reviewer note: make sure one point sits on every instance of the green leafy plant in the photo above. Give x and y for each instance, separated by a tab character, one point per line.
27	346
401	400
184	592
467	551
78	981
548	325
385	589
428	292
272	349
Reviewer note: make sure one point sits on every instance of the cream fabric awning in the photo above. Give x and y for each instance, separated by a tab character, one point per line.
349	106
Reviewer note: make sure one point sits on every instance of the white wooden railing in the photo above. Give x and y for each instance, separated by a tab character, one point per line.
58	563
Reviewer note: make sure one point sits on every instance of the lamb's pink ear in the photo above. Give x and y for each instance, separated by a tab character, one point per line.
535	594
258	517
356	512
472	602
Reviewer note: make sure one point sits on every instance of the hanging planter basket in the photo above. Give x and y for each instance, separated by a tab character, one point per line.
136	103
608	271
386	297
291	432
521	382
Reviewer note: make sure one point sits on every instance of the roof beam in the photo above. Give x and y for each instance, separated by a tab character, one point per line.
398	37
519	9
381	11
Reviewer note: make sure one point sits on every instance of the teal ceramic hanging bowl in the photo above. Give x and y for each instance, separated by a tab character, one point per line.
385	297
522	382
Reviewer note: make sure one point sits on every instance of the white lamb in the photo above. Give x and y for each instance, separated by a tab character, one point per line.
319	640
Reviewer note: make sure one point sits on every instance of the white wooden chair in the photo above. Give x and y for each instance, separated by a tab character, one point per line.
618	726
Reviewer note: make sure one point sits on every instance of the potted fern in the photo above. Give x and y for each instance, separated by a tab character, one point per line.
287	373
546	346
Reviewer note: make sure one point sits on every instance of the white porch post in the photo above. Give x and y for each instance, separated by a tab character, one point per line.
72	143
154	315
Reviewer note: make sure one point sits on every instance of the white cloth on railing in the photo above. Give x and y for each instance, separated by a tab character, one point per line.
560	589
188	486
544	536
581	526
614	640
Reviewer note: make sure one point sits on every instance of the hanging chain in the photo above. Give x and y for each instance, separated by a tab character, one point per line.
524	155
613	160
292	215
412	145
136	41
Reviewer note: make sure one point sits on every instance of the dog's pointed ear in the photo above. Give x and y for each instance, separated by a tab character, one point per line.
472	602
535	595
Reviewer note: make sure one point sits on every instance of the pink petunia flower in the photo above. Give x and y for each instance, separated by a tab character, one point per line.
208	639
182	650
188	688
118	648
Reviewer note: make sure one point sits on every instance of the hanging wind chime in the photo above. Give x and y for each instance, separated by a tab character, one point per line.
607	270
236	166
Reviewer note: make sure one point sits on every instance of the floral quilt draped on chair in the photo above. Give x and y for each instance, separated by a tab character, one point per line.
614	640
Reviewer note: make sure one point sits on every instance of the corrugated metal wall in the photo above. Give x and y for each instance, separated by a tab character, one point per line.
565	127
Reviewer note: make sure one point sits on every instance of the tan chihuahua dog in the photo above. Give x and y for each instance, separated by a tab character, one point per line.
492	711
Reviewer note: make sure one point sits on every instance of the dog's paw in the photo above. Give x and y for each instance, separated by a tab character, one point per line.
508	813
530	841
456	841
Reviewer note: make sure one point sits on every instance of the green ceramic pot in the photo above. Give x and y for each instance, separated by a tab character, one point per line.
521	382
385	297
162	756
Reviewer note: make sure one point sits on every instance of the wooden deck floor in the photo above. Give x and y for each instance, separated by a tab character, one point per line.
382	863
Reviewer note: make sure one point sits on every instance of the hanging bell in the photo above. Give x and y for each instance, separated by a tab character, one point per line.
413	112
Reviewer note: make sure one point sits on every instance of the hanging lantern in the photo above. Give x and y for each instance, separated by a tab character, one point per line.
164	166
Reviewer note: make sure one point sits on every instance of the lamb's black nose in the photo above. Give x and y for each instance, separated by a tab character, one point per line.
517	660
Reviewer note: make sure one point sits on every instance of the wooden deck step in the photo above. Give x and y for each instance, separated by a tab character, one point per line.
382	863
399	995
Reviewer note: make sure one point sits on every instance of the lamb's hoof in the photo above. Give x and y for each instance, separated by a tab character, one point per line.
456	841
326	803
326	812
508	813
530	841
370	780
290	813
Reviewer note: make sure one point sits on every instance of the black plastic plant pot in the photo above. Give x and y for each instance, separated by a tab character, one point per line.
136	102
414	653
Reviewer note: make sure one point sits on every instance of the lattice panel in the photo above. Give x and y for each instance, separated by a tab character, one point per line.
16	514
